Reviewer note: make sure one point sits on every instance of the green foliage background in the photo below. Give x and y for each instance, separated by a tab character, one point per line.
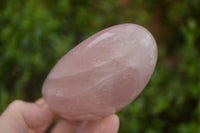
35	34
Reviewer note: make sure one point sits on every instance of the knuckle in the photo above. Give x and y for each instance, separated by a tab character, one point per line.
14	108
16	104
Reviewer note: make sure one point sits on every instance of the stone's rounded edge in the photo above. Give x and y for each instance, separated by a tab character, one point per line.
152	38
151	35
133	25
138	26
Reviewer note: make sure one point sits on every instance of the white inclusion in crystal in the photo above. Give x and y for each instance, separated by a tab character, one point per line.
146	41
100	38
59	93
101	63
152	57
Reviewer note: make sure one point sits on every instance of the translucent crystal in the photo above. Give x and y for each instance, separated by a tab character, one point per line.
102	74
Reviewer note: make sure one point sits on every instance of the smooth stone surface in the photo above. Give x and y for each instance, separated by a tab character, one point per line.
102	74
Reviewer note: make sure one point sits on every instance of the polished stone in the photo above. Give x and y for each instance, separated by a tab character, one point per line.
102	74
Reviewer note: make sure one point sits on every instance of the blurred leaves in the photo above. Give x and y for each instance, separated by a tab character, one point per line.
35	34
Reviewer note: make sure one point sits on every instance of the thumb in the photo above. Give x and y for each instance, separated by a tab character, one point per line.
21	116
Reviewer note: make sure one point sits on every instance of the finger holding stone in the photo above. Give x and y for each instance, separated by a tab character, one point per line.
21	116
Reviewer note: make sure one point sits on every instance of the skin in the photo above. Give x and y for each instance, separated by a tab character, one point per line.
24	117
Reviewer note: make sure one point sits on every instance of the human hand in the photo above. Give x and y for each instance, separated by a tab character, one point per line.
24	117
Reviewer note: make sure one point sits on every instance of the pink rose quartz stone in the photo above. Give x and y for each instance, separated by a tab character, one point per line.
102	74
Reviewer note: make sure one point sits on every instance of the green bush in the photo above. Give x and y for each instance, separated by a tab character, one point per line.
34	34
